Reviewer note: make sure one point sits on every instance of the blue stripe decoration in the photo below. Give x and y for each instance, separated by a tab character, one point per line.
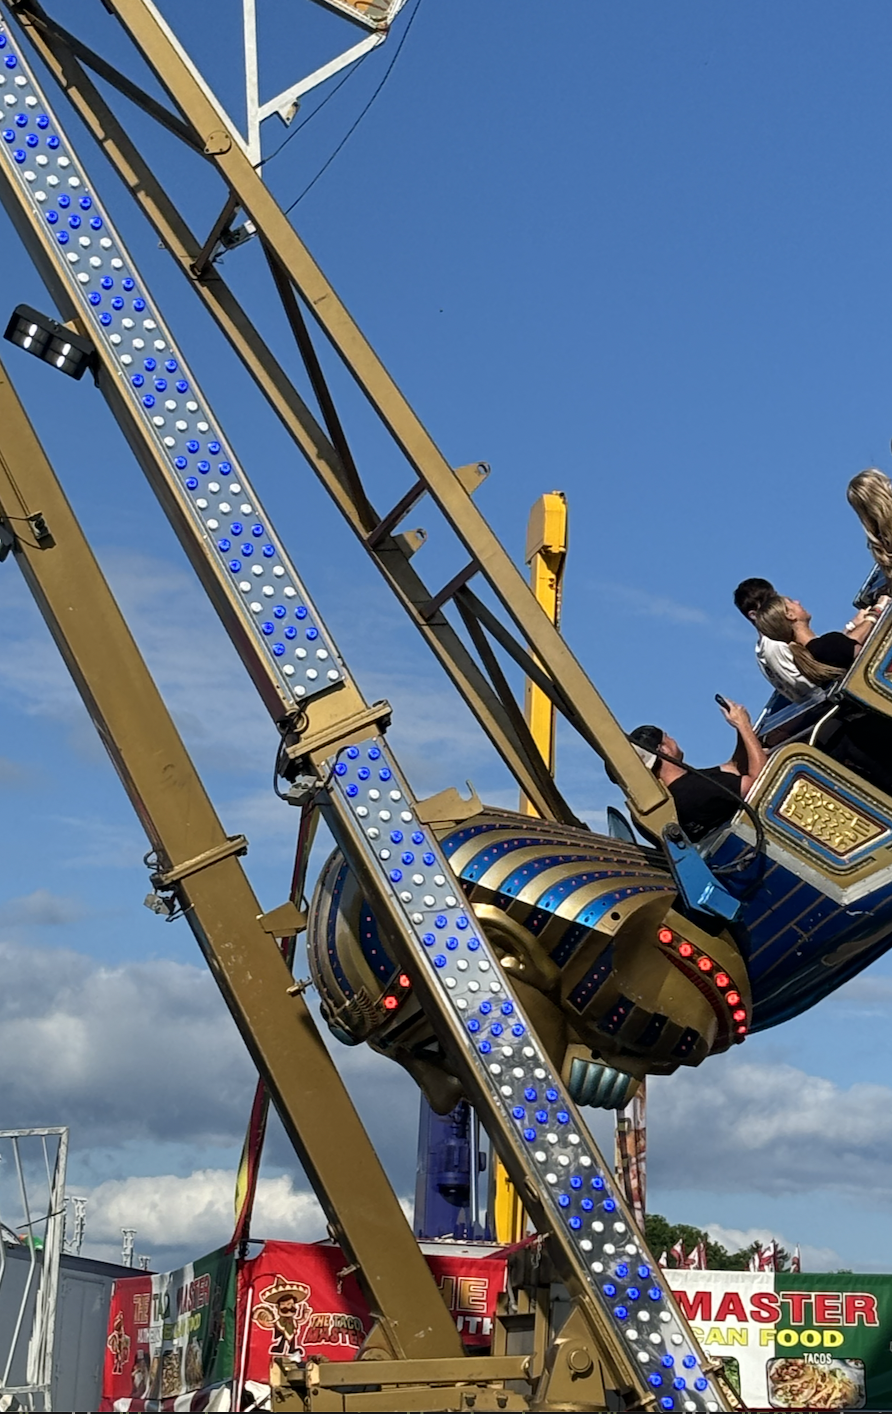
555	896
512	886
331	934
596	976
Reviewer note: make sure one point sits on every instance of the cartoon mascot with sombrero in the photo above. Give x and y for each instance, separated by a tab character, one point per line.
284	1310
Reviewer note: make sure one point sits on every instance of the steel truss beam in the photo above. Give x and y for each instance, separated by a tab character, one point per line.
297	278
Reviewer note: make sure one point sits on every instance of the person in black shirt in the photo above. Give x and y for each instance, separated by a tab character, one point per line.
704	800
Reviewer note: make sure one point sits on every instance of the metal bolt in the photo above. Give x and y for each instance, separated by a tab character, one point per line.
580	1361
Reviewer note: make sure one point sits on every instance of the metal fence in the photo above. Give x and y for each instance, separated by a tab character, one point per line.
32	1219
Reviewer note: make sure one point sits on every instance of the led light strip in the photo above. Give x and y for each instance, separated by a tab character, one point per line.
374	814
202	469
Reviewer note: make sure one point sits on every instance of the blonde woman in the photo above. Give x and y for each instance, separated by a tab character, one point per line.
870	496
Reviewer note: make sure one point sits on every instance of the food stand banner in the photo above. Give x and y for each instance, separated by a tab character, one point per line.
792	1340
178	1341
171	1340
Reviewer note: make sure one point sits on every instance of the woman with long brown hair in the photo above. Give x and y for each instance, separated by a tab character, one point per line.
822	658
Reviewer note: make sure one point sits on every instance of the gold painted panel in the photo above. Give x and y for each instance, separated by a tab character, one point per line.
827	818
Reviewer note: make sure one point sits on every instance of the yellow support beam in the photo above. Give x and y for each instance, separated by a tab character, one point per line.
546	553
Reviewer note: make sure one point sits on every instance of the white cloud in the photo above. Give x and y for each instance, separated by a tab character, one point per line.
146	1054
141	1051
814	1259
750	1126
652	606
194	1212
44	909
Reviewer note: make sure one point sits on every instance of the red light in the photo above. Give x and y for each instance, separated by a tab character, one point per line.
665	935
722	979
741	1030
705	964
732	998
404	980
685	949
390	1003
740	1015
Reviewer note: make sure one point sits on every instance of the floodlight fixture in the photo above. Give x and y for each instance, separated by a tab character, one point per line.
50	341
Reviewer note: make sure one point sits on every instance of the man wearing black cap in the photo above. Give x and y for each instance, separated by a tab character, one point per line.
704	800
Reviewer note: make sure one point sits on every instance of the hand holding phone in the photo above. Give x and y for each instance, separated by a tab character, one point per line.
721	701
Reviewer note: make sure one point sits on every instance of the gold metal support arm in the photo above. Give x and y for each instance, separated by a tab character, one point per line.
220	906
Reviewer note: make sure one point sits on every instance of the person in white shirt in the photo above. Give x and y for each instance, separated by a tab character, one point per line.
775	659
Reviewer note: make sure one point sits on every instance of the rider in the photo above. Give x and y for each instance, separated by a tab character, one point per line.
706	799
773	657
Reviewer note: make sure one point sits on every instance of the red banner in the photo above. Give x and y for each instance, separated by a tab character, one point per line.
302	1301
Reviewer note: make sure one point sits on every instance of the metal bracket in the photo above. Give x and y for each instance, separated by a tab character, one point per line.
342	732
694	879
284	921
7	541
447	807
235	844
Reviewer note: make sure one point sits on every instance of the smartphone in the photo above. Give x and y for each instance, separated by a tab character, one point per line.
721	701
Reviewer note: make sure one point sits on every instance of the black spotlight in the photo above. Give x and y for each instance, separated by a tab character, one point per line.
69	352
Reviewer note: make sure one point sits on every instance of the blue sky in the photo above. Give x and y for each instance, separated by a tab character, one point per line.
637	253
